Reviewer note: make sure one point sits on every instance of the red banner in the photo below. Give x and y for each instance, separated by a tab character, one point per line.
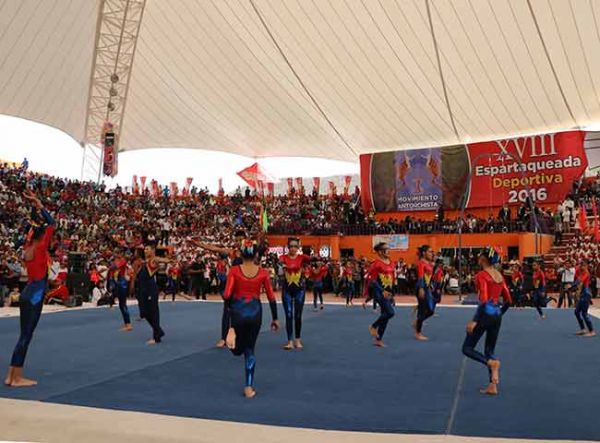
486	174
110	166
299	184
220	185
143	183
290	183
347	181
155	189
173	189
271	189
316	184
134	185
331	188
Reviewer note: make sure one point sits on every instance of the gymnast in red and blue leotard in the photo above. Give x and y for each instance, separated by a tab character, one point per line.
242	298
488	317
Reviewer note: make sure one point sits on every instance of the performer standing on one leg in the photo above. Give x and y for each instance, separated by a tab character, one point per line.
36	258
539	289
378	285
425	301
149	293
239	236
292	294
582	285
242	297
318	271
488	317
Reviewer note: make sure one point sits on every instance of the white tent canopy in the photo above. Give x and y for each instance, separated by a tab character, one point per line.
321	78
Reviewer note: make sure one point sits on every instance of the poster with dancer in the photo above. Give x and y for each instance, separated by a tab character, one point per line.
418	182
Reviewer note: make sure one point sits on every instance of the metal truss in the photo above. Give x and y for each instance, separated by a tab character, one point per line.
117	32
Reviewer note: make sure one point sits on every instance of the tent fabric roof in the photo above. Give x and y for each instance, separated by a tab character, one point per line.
329	79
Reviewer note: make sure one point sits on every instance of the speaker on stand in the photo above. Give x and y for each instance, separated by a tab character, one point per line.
78	280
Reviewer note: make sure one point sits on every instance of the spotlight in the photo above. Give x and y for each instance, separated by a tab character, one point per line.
113	92
114	78
111	106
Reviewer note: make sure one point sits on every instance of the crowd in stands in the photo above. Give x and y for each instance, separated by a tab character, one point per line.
108	224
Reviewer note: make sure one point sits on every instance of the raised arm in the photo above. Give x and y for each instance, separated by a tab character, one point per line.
211	248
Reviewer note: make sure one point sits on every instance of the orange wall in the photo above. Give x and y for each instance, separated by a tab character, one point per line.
363	246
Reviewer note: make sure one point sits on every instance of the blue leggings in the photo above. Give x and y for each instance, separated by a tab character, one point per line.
246	319
222	278
122	297
317	293
425	309
539	301
387	312
490	326
349	290
225	320
292	299
581	313
30	308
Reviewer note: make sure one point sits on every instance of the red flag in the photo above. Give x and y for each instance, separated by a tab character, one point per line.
290	183
298	183
271	189
220	184
173	189
134	187
347	181
582	218
331	188
143	182
253	173
155	189
316	184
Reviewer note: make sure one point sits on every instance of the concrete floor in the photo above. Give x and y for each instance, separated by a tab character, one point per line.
42	422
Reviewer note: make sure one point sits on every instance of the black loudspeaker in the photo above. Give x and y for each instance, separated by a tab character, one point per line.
79	285
77	263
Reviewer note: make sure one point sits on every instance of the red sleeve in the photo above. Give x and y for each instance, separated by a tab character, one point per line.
305	260
230	283
481	284
267	285
506	294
